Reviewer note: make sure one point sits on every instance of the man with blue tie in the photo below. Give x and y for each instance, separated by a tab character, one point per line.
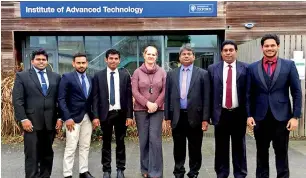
113	108
187	104
75	101
269	107
228	111
35	105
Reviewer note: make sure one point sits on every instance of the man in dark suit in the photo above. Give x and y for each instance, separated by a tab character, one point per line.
112	107
187	103
228	111
269	107
75	101
35	105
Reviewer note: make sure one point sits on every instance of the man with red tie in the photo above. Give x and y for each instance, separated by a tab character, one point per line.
269	108
228	112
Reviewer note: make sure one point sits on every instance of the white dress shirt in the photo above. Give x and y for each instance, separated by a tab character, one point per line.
235	103
117	88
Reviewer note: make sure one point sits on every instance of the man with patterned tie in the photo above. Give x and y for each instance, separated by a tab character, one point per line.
112	107
75	101
269	107
187	103
228	112
35	105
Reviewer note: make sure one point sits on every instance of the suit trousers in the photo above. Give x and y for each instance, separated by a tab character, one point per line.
231	126
180	133
81	135
266	131
149	128
115	119
38	153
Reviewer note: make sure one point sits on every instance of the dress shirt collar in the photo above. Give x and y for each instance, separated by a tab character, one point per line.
190	67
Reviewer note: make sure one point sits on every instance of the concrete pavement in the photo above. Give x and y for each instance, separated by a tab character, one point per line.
12	158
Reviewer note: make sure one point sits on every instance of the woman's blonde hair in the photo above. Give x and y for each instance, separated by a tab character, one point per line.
146	49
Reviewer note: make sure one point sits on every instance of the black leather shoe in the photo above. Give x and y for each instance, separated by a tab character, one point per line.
86	175
68	177
106	175
120	174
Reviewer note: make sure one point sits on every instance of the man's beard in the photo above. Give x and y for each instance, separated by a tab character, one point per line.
81	72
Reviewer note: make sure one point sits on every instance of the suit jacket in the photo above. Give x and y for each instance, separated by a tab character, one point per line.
198	99
30	103
101	94
216	78
72	101
260	97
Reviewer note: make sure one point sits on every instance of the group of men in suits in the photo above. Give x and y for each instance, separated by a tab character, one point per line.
230	93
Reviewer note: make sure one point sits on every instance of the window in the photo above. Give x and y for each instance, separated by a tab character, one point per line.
96	47
127	46
67	47
145	41
45	42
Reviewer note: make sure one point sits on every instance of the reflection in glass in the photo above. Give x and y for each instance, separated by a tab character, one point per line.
96	47
67	47
45	42
196	41
127	46
204	59
145	41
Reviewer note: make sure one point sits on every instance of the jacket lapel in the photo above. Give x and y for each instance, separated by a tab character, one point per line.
76	77
194	77
260	73
239	69
177	80
220	71
51	80
35	79
105	83
121	82
277	71
90	84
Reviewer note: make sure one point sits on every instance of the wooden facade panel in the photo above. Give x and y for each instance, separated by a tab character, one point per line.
95	24
7	41
269	17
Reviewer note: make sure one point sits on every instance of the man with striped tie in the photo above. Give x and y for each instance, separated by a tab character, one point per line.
35	106
75	101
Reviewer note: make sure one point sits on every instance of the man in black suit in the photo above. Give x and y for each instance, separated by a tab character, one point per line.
187	104
269	108
228	111
112	107
35	104
75	101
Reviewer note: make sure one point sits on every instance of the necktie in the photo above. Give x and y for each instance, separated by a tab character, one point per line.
44	86
84	85
184	84
228	101
269	71
112	89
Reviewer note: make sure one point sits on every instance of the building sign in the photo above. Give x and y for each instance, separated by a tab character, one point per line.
117	9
